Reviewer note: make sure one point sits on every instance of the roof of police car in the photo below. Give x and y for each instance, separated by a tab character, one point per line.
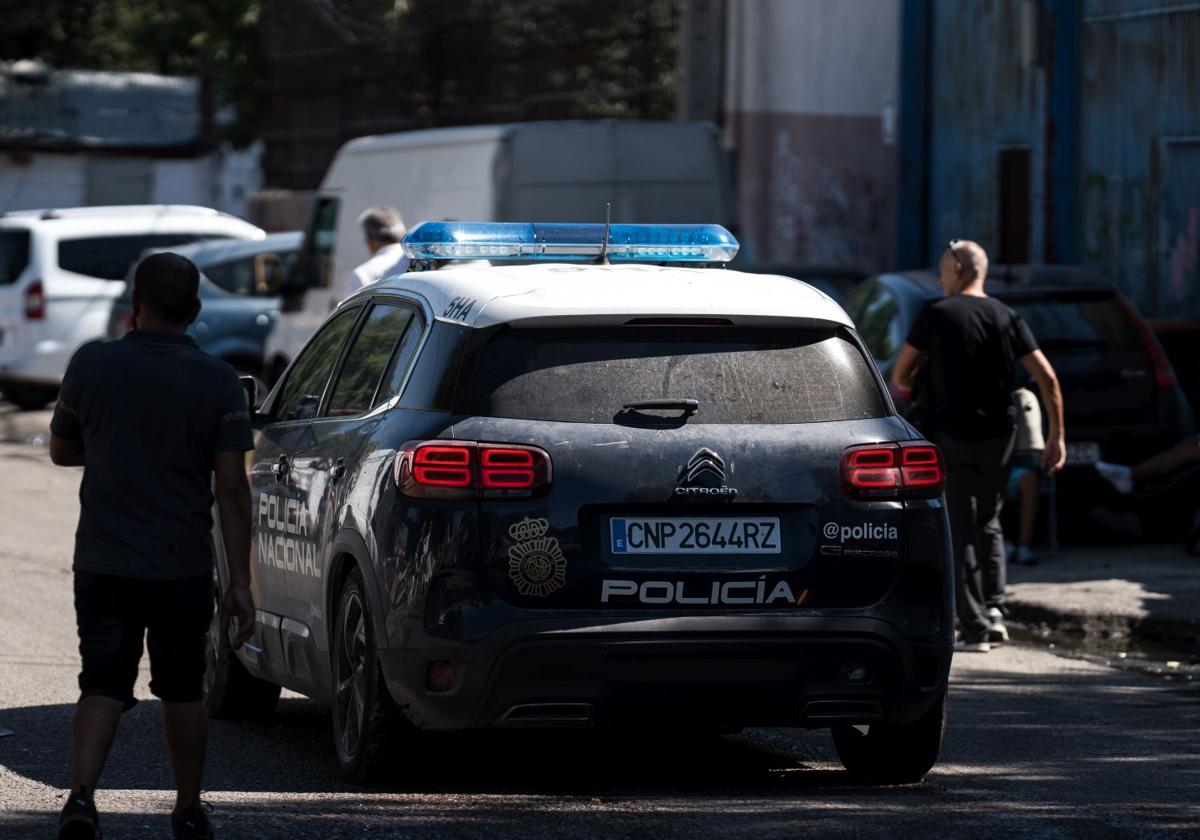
481	295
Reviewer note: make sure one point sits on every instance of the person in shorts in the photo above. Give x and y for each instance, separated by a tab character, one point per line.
152	420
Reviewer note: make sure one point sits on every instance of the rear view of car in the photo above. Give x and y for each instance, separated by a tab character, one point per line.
571	494
61	269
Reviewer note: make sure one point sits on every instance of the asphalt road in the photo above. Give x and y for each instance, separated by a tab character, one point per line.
1037	746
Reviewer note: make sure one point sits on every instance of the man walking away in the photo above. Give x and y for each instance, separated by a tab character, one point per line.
971	342
382	229
151	418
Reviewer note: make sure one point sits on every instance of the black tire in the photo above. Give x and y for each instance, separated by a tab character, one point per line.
891	754
1167	523
366	722
230	691
30	397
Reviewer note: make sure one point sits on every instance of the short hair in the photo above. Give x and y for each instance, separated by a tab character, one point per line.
971	256
383	224
169	285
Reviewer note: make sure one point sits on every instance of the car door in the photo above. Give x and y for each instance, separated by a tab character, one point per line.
337	465
282	541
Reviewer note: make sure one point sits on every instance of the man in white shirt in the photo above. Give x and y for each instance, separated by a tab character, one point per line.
383	229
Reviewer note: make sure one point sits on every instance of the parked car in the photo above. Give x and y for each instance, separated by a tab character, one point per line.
1122	401
239	289
838	283
60	271
593	495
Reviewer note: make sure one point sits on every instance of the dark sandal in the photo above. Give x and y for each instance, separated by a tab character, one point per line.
79	820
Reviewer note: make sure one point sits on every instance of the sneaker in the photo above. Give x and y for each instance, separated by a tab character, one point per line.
963	646
997	632
1121	478
191	824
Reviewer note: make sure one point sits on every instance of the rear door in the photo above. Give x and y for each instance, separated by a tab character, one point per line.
16	253
736	505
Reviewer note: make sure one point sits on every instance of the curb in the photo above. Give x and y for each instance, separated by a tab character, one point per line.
1177	632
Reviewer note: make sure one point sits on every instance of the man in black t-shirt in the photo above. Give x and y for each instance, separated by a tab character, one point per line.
968	343
156	424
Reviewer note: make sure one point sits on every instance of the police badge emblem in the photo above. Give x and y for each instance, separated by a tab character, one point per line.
535	561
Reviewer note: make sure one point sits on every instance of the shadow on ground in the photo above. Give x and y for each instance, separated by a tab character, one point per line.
1083	752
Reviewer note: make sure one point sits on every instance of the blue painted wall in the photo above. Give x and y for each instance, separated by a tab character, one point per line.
1105	95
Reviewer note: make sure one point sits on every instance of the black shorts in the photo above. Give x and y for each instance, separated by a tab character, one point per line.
114	613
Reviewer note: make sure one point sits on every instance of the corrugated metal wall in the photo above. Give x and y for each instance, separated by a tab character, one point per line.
1140	155
1105	95
986	97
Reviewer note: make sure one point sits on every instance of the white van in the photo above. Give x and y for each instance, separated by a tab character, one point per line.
562	171
60	271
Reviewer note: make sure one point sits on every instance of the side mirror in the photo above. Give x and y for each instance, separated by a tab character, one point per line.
250	385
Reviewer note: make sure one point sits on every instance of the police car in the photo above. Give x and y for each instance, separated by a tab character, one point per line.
600	481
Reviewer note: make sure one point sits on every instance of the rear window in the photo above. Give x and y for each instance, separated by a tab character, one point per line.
738	375
1078	322
14	254
109	257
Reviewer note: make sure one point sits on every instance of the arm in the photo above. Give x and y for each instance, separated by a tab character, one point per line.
1047	381
907	363
233	506
66	452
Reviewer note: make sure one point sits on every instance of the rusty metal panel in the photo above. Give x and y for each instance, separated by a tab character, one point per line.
1140	150
986	98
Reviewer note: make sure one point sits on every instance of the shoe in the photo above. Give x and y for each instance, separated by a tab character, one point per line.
997	632
79	820
191	824
1121	478
963	646
1025	556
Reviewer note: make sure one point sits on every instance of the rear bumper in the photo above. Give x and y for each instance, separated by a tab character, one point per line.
711	671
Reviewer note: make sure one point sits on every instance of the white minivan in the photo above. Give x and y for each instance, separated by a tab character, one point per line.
60	271
553	171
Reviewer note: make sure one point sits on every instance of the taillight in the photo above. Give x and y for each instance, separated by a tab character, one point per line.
1164	374
470	470
910	470
35	301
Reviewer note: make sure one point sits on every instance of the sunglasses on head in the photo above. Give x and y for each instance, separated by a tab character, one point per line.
950	246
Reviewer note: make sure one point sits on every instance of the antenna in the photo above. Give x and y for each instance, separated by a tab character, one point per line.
603	258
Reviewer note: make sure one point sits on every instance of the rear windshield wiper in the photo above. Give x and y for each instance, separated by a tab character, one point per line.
688	407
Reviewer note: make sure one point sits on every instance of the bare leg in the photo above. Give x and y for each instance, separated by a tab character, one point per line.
1185	452
92	734
185	726
1029	508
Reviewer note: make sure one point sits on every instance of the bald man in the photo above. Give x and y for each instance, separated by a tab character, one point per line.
970	343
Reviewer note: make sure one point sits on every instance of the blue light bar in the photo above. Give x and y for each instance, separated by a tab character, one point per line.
569	242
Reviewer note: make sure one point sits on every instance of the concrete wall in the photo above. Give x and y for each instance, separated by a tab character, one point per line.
810	113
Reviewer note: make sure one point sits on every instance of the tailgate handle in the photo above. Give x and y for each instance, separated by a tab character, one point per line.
337	469
1133	373
688	407
280	468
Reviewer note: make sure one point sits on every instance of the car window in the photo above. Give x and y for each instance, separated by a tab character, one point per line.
879	324
367	359
235	276
1079	322
738	375
402	358
14	254
300	398
110	257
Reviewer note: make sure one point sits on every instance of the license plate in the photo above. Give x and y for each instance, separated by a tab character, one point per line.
1083	453
709	535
